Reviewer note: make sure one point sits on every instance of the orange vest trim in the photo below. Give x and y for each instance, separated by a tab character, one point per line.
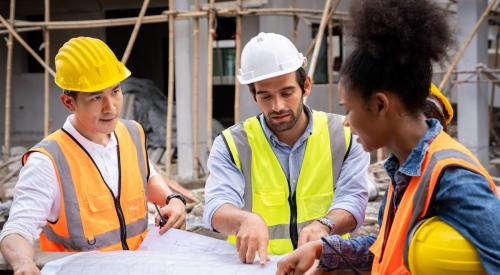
90	217
391	247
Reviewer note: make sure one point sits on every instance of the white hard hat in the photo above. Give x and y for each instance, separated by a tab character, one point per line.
268	55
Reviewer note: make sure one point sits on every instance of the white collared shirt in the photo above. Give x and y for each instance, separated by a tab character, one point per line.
37	193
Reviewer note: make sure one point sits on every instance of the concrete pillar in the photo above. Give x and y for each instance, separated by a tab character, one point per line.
248	107
184	93
473	97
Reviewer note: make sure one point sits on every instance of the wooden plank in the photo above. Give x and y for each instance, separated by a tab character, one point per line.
8	83
170	96
46	76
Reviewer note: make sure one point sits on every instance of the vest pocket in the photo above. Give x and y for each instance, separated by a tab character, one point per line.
100	204
136	207
272	206
101	216
315	206
270	199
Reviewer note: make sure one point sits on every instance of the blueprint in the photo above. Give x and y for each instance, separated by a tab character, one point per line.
175	252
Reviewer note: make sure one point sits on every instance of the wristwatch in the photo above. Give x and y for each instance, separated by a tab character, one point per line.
176	196
328	223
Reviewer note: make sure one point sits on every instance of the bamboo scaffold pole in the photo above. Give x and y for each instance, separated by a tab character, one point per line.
469	38
170	97
26	46
211	33
319	35
20	30
46	76
135	31
8	82
22	25
330	66
237	65
295	33
196	88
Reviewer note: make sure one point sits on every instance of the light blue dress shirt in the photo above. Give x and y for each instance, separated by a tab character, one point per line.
226	184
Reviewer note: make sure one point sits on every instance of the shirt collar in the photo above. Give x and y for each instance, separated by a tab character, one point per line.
87	144
412	166
274	139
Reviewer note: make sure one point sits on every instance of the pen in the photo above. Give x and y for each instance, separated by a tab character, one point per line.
163	221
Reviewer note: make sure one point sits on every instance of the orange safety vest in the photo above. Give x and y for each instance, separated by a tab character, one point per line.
390	250
90	217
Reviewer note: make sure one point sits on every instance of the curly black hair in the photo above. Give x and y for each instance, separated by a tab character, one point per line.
396	42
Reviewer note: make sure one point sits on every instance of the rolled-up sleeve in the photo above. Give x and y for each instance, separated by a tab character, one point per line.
351	189
225	183
356	251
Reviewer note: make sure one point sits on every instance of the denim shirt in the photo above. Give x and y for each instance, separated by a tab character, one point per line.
463	199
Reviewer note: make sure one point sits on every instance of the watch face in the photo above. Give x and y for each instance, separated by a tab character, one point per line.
327	222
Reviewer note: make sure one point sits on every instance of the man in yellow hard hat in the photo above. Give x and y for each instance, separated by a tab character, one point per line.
84	187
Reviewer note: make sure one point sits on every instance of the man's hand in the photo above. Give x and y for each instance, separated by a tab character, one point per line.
301	260
252	238
25	267
312	232
175	212
19	253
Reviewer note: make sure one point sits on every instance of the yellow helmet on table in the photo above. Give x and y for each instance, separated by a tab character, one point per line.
86	64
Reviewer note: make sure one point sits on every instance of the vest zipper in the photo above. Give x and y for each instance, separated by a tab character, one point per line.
119	211
294	234
121	219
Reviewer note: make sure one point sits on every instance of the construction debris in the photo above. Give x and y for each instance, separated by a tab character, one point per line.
145	103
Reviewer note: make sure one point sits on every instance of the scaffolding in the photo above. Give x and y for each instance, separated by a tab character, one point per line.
328	16
14	27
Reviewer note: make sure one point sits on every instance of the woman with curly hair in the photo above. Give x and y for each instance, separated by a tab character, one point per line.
437	185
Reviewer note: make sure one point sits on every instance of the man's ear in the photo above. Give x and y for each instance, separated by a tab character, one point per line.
68	102
307	86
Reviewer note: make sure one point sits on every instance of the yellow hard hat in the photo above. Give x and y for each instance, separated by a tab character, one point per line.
87	64
444	101
437	248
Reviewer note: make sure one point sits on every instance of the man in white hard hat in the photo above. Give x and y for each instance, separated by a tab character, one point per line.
289	175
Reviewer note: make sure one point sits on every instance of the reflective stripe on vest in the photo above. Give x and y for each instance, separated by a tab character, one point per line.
266	186
83	189
444	151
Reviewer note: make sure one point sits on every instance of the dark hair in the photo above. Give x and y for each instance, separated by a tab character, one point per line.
395	43
300	75
72	94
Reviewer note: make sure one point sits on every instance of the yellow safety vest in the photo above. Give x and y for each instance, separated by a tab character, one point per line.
267	190
90	217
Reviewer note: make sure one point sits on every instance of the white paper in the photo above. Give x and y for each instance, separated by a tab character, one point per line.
175	252
175	240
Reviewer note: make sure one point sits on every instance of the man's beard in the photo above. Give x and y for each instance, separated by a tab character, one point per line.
283	126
